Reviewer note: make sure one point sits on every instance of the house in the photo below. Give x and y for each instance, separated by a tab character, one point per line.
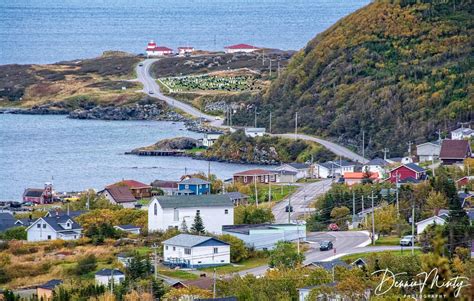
255	176
138	189
327	293
7	221
203	282
240	48
329	265
128	228
462	133
153	50
33	195
168	187
286	176
303	170
210	138
184	50
437	220
54	227
119	195
166	212
428	151
406	172
454	151
466	199
266	236
464	181
194	186
352	178
334	168
254	132
107	276
45	290
124	259
237	198
193	251
400	160
70	213
376	165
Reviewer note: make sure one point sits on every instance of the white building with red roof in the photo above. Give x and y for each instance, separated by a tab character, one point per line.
240	48
183	50
153	50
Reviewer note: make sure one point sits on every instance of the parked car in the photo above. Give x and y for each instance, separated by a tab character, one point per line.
333	227
289	208
325	245
140	65
407	240
151	92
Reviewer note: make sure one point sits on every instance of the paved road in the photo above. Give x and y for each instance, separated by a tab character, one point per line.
150	85
300	200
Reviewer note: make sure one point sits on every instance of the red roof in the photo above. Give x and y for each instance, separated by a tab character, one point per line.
359	175
131	184
159	48
454	149
121	194
254	172
241	46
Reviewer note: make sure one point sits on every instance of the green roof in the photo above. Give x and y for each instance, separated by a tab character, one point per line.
183	201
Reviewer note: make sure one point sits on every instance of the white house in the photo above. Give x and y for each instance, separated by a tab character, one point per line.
128	228
266	236
303	171
428	151
153	50
376	165
240	48
462	133
166	212
109	276
254	132
54	227
333	168
438	220
210	138
183	50
192	251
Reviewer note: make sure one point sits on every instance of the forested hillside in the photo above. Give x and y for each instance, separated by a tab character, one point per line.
397	70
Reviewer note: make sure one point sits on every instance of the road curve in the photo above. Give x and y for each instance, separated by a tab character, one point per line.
151	88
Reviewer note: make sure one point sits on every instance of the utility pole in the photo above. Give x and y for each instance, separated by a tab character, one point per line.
255	118
269	189
214	285
397	177
270	131
373	219
298	233
439	134
413	228
263	57
296	125
155	262
385	151
256	192
353	208
409	148
363	144
270	67
289	208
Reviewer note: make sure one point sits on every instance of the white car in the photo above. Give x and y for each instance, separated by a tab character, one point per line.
407	240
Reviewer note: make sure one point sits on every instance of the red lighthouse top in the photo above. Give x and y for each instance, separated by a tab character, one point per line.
151	45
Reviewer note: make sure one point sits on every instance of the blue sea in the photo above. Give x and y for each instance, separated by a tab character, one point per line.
47	31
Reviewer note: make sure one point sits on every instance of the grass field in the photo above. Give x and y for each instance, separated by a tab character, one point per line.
353	257
180	274
234	268
209	83
388	241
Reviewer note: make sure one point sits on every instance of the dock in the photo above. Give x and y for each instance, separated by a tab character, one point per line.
157	153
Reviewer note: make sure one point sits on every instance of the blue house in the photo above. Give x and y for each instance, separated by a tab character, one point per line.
194	186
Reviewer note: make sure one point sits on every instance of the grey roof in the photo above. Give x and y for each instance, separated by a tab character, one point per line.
328	265
51	284
287	172
33	192
299	165
186	201
377	161
128	227
194	181
415	167
55	221
72	213
329	165
235	195
7	221
109	272
188	240
245	228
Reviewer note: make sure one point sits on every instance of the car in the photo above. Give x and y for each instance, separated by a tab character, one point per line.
150	92
333	227
140	65
289	208
407	240
325	245
218	118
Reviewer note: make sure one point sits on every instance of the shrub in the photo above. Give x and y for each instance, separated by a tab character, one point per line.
86	265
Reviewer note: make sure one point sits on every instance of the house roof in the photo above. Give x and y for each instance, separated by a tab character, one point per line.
159	48
360	175
241	46
55	221
299	165
131	184
128	227
33	192
287	172
464	131
255	130
51	284
412	166
7	221
328	265
203	283
454	149
188	240
194	181
164	184
121	194
255	172
377	161
72	213
109	272
439	218
186	201
235	195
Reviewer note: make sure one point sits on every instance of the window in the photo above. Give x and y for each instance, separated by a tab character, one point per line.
174	248
245	179
198	211
176	215
68	225
187	251
166	247
226	211
44	226
216	250
186	186
155	209
38	226
49	236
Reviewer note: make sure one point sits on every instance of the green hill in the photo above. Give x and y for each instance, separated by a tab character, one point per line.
397	71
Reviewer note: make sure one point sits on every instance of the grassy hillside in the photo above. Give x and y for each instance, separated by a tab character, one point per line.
398	71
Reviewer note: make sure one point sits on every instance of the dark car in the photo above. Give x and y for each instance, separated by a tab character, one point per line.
140	65
325	245
289	208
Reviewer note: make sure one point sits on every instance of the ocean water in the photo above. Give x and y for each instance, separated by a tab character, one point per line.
81	154
46	31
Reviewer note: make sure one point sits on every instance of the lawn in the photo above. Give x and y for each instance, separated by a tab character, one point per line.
234	268
279	192
388	241
209	83
143	250
180	274
352	257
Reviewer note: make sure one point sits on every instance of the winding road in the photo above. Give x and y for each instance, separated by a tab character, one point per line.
151	88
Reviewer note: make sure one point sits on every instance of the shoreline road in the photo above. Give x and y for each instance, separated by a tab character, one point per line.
300	200
151	87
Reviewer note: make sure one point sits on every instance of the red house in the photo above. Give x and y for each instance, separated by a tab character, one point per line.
258	175
407	173
138	189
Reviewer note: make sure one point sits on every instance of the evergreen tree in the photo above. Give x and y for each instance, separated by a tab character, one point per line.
198	225
158	288
184	227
